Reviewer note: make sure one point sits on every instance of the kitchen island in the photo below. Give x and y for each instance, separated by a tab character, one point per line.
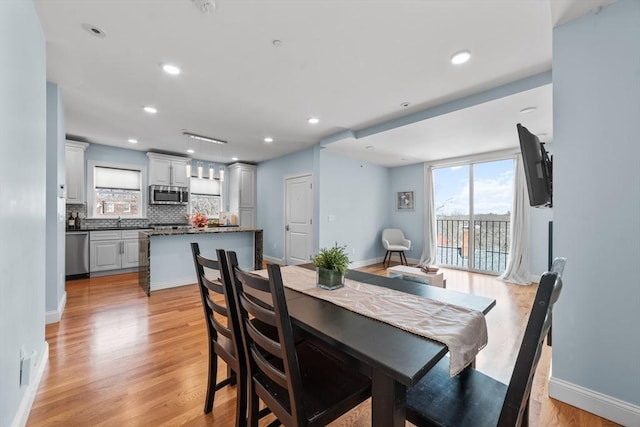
166	260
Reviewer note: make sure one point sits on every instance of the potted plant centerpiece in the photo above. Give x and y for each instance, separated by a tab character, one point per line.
331	267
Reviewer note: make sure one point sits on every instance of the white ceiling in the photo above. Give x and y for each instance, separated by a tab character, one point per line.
351	63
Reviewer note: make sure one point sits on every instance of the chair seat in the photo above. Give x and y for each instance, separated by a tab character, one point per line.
470	399
397	248
326	383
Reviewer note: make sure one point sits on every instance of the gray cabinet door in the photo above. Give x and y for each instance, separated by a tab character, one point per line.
130	253
105	255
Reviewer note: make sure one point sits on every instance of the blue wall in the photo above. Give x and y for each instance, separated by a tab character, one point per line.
105	153
270	197
23	141
353	205
596	88
408	178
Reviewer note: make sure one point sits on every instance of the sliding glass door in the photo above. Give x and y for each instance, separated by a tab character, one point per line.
473	206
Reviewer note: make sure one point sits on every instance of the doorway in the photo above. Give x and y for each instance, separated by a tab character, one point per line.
473	208
298	219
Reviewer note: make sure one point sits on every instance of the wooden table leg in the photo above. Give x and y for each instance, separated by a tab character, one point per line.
388	399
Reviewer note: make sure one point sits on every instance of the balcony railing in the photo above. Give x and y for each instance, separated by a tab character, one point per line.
490	250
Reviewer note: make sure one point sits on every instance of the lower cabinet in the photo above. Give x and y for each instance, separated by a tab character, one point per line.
113	250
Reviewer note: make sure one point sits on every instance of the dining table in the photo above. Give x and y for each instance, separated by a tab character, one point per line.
394	358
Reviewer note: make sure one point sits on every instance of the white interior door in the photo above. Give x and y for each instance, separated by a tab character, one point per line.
298	219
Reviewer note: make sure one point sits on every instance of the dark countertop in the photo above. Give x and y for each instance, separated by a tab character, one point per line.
208	230
71	230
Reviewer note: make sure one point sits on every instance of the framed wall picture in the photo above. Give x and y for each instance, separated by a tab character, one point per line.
405	201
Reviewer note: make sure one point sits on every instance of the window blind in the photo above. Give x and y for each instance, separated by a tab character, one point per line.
113	178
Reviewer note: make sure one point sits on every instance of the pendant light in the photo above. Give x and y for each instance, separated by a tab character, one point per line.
200	167
211	171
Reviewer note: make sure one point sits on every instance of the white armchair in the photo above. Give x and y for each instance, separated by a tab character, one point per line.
393	240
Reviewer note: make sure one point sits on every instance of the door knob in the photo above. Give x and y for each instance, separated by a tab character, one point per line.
286	227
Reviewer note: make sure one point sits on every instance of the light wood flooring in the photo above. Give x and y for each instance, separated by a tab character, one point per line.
118	358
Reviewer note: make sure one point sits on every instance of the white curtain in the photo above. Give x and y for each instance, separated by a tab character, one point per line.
517	270
429	238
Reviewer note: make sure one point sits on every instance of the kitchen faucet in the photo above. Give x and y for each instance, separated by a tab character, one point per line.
119	222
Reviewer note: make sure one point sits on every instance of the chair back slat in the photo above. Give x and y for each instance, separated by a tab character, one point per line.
268	368
270	307
519	388
266	343
210	305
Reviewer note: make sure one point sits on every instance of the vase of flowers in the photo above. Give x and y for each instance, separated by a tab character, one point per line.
331	267
199	220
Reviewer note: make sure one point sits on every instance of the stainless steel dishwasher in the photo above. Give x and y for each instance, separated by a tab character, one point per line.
77	254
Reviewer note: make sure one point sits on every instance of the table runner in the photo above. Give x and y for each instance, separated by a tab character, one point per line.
462	330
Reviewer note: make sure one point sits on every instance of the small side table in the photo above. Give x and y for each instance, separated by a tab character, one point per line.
417	275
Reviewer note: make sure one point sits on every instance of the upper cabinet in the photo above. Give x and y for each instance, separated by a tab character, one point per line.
242	193
168	170
74	171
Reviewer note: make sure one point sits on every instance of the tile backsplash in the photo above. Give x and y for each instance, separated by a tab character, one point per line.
173	214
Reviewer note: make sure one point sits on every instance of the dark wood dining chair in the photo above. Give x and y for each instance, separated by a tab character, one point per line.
474	399
222	331
301	384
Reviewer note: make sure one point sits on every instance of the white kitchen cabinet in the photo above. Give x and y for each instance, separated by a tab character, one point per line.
113	250
247	217
74	171
242	193
168	170
130	248
105	255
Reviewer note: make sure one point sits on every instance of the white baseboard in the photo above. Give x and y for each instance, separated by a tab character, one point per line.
600	404
365	262
185	281
29	396
54	316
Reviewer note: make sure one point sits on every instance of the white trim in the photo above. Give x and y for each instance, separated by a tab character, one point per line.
54	316
185	281
168	157
600	404
475	158
77	144
29	396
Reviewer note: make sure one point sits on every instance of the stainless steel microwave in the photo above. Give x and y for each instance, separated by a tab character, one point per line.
168	195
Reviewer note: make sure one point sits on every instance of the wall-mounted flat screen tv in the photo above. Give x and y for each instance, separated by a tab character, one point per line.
538	168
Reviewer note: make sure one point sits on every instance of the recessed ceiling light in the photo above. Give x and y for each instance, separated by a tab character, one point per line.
150	110
405	104
460	57
313	120
171	69
528	110
268	140
235	159
277	43
133	141
93	30
369	147
190	151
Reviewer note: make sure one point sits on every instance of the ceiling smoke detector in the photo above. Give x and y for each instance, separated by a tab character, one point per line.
205	6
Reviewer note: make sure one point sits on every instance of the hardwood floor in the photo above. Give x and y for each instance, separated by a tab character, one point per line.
118	358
